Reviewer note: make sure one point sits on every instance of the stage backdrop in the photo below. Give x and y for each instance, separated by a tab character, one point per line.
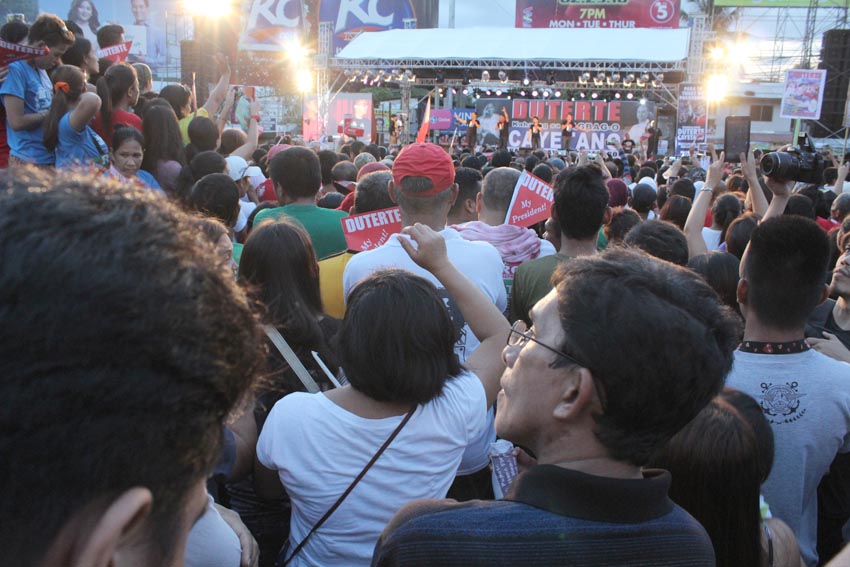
351	110
597	13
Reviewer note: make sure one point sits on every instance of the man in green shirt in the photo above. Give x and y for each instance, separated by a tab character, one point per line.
297	177
581	208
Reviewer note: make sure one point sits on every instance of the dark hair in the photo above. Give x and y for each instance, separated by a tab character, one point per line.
94	21
212	229
830	175
643	198
544	172
50	29
143	72
163	141
109	35
683	187
125	133
399	308
714	462
89	385
823	207
622	221
216	195
112	86
178	96
785	269
357	147
202	164
676	210
645	171
720	271
374	150
501	158
371	193
76	54
676	312
296	172
800	205
279	268
14	32
344	171
203	136
738	233
231	139
468	186
752	412
72	27
498	188
530	163
327	160
73	76
581	200
471	162
724	210
660	239
842	204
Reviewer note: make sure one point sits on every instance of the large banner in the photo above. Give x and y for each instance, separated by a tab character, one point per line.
348	113
597	13
803	94
350	18
781	3
145	24
598	123
690	116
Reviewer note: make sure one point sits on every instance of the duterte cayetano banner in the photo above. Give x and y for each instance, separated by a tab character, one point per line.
597	14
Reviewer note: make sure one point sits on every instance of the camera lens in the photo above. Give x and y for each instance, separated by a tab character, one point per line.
780	165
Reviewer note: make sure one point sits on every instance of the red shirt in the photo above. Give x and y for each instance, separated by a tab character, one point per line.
826	224
119	118
265	191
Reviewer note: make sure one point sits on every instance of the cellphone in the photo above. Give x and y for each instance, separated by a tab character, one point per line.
736	138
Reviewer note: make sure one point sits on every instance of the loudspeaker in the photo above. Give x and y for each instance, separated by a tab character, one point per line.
835	58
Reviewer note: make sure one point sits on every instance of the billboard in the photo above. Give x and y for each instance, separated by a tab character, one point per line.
607	14
803	95
348	112
690	116
780	3
350	18
597	122
144	24
271	24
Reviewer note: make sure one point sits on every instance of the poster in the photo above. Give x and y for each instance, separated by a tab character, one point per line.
116	53
350	18
347	110
781	3
598	123
617	14
531	201
153	26
368	231
690	117
803	95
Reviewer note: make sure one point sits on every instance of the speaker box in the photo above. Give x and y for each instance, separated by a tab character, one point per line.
835	58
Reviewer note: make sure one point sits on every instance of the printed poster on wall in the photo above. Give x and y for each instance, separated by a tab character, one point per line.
803	95
607	14
690	117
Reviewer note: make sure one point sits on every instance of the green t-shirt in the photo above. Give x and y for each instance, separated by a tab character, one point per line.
237	252
323	226
532	281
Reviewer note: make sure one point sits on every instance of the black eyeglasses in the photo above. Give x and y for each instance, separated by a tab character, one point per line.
519	336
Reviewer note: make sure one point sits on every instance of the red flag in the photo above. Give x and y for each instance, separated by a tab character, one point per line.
426	123
116	53
531	202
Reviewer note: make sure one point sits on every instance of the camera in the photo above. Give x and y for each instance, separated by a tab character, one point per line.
803	163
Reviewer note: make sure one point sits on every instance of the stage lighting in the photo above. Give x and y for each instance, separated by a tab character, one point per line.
643	101
581	94
465	91
594	95
303	81
498	92
485	76
522	92
617	95
615	77
630	96
546	93
487	92
716	87
526	81
509	97
477	96
534	92
454	91
557	94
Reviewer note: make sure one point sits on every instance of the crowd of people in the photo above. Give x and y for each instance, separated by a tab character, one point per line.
197	369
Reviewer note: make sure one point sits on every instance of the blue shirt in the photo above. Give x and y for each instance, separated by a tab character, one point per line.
33	86
77	148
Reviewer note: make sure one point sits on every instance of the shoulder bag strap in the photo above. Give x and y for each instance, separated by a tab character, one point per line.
348	490
291	358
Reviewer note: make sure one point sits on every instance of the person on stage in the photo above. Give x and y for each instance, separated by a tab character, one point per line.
504	129
472	126
567	128
536	129
653	137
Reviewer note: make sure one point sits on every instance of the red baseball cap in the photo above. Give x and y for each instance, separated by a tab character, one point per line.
371	167
424	160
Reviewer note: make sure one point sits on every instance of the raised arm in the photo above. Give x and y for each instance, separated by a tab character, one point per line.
756	195
246	150
696	218
221	120
220	91
485	320
781	192
838	188
85	110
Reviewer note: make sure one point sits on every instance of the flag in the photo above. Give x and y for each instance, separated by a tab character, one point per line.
426	123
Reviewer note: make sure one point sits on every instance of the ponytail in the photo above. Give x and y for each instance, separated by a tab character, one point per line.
105	95
68	86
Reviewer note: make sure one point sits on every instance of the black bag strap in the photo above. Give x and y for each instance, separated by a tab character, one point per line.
348	490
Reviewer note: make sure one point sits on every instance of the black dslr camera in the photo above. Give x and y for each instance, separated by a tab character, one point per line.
803	163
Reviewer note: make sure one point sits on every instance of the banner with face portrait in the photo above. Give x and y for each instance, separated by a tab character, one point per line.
597	123
349	113
153	26
690	117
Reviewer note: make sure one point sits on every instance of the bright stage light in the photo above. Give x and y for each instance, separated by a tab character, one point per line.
716	87
617	95
526	81
209	8
643	101
534	92
557	94
498	92
304	80
522	92
465	91
718	53
594	95
630	96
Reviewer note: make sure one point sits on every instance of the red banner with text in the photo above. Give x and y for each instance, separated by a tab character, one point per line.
116	53
368	231
531	202
11	52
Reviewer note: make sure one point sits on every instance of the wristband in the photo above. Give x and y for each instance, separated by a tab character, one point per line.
255	117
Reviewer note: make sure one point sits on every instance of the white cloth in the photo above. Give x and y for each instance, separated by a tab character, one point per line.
711	236
212	542
318	448
806	399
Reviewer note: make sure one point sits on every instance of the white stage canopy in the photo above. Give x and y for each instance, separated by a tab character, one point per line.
518	44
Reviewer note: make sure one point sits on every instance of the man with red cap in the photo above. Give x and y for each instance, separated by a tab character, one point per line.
423	186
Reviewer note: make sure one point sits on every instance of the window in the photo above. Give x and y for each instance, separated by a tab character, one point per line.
761	113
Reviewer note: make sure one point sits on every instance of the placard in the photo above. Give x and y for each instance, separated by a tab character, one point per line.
116	53
803	94
531	202
368	231
690	116
11	52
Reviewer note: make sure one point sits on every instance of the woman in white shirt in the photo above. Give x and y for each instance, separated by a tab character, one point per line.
396	347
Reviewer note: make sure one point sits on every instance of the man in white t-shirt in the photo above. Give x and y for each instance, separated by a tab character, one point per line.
804	394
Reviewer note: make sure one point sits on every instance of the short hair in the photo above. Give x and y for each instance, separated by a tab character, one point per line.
50	29
738	234
76	54
202	164
531	162
93	387
399	308
643	197
413	184
327	160
721	271
344	171
109	35
296	172
14	32
676	312
216	195
498	189
663	240
622	221
544	172
178	96
676	210
362	159
501	158
830	175
231	140
581	200
842	204
785	268
645	171
125	133
683	187
468	186
144	74
372	194
800	205
374	150
203	136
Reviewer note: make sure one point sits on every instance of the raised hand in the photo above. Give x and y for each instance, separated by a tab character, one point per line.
430	251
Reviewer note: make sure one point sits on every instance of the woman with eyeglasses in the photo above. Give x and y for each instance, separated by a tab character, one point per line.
396	349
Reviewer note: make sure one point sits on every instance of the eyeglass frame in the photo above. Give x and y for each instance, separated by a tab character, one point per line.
521	343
